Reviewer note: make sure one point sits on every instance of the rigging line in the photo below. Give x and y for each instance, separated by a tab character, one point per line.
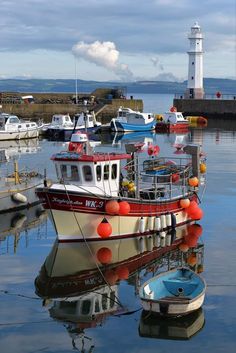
18	295
89	248
221	285
127	313
24	323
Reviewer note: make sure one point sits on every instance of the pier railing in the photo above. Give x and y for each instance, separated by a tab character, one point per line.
212	96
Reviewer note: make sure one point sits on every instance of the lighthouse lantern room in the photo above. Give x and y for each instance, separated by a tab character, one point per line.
195	66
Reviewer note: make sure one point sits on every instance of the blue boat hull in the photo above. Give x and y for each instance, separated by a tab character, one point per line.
173	293
119	126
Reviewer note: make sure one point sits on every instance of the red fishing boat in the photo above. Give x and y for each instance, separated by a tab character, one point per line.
120	195
172	121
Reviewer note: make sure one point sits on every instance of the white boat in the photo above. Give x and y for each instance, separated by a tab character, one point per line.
173	293
12	149
62	126
16	222
12	128
172	328
119	195
172	121
131	120
17	189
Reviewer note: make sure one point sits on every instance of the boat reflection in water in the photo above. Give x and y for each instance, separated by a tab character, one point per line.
12	149
182	328
15	223
80	282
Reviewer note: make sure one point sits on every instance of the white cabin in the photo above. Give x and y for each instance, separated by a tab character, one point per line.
61	121
88	306
130	116
85	120
174	117
90	173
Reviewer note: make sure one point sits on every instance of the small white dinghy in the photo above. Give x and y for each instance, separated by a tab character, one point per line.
173	293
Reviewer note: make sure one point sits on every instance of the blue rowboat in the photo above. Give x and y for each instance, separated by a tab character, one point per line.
173	293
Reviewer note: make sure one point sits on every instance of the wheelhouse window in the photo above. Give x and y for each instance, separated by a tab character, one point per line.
14	120
74	173
99	172
86	306
87	173
104	302
68	307
69	172
112	299
114	171
106	172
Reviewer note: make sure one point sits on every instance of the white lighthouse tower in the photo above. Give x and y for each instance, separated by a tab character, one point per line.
195	65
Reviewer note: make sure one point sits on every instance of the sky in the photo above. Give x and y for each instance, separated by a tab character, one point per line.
121	40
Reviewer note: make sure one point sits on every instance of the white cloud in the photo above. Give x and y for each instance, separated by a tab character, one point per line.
103	54
154	29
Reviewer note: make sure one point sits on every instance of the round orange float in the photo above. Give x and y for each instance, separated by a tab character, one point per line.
104	255
124	208
112	207
184	203
195	229
111	277
183	247
175	177
193	181
197	214
122	272
104	229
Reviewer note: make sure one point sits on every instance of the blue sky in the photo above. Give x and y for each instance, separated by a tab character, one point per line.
114	40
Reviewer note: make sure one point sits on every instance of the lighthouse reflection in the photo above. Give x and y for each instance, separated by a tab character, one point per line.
81	283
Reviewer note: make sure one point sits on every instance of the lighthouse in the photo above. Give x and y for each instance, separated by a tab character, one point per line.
195	65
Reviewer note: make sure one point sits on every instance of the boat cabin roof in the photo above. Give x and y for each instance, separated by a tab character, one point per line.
98	157
7	118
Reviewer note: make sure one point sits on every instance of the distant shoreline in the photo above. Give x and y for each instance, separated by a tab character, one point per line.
211	86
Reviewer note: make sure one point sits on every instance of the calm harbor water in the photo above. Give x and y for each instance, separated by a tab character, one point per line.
29	323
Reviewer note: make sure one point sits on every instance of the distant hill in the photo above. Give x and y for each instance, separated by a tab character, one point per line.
211	86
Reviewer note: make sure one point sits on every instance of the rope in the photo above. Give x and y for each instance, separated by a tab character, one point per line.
85	240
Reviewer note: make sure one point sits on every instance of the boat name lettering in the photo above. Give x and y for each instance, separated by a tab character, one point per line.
94	280
67	202
93	204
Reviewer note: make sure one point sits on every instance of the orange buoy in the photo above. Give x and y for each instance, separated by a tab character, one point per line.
192	207
203	168
122	272
124	208
195	229
173	109
183	247
104	229
104	255
196	214
156	150
191	240
150	150
112	207
184	203
111	277
193	181
175	177
192	260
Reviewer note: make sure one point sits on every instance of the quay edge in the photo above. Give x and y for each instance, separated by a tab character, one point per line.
47	104
224	109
